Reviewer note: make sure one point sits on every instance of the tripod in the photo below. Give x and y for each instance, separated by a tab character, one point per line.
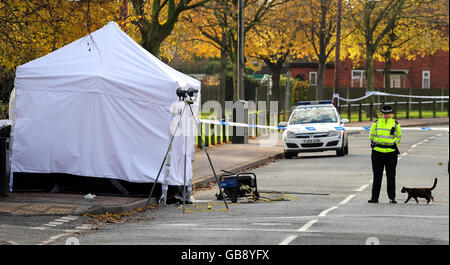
187	105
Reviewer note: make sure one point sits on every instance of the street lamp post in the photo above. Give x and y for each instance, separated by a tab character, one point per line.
337	51
241	37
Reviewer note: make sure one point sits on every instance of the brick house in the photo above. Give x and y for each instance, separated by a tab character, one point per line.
429	72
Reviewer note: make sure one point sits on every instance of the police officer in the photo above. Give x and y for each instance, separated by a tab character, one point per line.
385	135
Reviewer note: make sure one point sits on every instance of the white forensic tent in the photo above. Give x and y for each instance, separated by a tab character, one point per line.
99	107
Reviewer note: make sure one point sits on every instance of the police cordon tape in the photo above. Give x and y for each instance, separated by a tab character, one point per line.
377	93
311	128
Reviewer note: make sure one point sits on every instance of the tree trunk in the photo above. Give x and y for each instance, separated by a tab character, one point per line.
320	78
369	69
276	86
275	70
387	71
152	37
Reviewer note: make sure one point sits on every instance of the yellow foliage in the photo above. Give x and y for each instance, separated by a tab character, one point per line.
31	29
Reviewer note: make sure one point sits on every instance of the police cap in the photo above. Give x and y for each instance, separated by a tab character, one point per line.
386	109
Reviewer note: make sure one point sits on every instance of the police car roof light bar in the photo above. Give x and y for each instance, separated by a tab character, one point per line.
314	102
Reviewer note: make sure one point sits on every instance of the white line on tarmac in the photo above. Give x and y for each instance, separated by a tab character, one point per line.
54	238
307	225
55	223
369	215
347	199
39	228
69	217
363	187
62	220
270	224
85	226
288	240
238	229
323	213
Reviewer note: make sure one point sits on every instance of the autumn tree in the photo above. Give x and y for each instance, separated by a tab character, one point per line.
156	19
421	31
374	22
318	22
390	29
217	24
274	40
31	29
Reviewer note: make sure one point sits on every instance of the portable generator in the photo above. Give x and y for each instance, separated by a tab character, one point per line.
238	185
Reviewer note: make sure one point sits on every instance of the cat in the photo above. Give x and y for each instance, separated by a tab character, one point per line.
420	193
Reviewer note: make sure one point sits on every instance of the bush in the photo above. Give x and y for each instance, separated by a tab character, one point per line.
299	91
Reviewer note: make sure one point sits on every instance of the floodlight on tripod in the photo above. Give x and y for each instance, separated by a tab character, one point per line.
185	93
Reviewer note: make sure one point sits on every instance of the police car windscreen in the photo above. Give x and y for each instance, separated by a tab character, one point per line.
313	115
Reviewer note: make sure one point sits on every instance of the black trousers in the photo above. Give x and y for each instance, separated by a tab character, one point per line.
381	161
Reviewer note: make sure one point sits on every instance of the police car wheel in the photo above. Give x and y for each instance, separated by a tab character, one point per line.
341	151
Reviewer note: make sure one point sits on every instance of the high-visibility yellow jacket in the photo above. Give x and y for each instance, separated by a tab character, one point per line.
380	134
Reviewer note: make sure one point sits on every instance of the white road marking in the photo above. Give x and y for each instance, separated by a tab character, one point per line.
307	225
62	220
54	238
238	229
39	228
55	223
72	231
270	224
369	215
11	242
85	226
363	187
288	240
347	199
69	217
323	213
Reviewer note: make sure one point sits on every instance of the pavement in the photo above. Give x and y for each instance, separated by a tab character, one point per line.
230	157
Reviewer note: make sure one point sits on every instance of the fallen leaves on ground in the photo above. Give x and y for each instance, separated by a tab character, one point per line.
204	186
110	218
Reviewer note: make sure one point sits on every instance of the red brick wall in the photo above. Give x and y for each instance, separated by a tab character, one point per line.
437	64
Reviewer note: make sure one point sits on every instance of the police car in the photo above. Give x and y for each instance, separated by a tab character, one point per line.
315	126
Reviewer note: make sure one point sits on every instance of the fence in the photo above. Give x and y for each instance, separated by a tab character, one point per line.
214	134
401	110
362	111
